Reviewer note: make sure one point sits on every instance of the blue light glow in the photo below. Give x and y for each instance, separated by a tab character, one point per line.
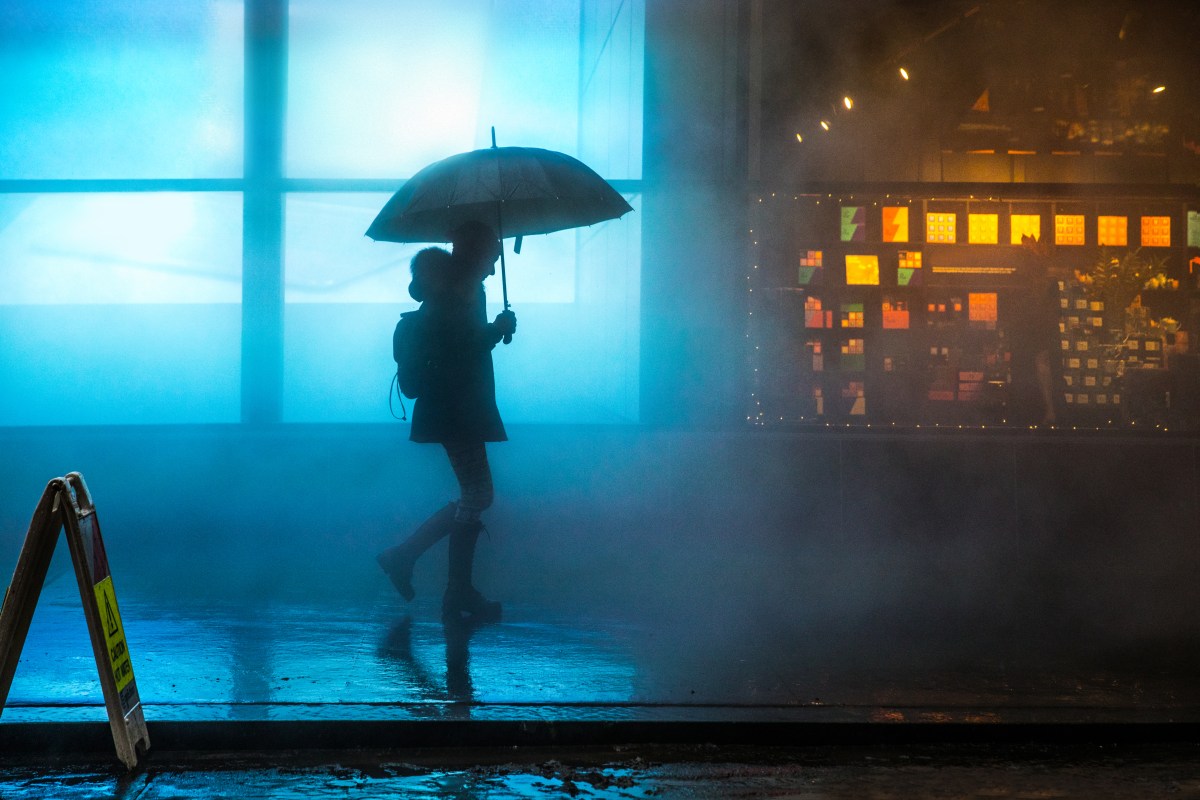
379	88
121	89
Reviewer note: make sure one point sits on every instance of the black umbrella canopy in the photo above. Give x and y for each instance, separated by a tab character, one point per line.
518	191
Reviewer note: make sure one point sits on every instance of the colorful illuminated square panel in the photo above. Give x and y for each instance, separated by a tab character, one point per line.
1068	229
895	313
815	316
811	261
862	270
1025	225
940	228
854	223
1112	231
852	315
982	309
853	355
895	223
983	228
1156	231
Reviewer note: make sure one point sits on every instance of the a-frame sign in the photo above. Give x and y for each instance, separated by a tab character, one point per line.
67	505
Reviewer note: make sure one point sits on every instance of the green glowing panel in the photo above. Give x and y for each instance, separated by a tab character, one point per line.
854	224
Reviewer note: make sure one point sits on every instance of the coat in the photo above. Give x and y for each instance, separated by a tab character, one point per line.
458	402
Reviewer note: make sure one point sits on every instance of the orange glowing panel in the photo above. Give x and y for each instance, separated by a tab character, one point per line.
895	223
895	313
983	228
1156	231
1068	228
982	309
1025	225
940	228
1112	231
862	270
815	315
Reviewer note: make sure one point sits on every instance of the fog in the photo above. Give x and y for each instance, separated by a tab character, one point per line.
746	563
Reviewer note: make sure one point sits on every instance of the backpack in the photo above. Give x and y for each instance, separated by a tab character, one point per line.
411	353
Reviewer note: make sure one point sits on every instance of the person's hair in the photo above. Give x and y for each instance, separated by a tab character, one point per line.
430	270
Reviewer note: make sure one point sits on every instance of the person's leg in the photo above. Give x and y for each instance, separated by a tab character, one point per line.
1045	377
462	600
398	561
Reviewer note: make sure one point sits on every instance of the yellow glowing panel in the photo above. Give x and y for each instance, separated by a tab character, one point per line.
940	228
1112	231
1025	225
1068	228
983	228
895	223
862	270
1156	231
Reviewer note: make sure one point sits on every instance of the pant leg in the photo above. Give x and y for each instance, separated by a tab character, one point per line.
474	474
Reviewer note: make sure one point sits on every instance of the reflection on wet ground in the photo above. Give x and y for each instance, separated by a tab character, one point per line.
306	658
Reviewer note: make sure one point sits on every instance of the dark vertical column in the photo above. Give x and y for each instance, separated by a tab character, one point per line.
262	211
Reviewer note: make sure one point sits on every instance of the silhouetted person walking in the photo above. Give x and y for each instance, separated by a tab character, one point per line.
456	408
1034	341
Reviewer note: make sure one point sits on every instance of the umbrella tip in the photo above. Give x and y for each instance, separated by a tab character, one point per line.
493	136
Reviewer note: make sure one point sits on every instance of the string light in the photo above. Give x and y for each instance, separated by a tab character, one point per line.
904	73
848	102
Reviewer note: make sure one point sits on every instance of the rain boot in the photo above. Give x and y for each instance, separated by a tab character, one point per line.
398	561
462	602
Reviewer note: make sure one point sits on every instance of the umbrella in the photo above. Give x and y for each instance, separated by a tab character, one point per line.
519	191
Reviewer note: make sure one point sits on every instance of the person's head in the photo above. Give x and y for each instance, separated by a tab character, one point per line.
432	272
476	245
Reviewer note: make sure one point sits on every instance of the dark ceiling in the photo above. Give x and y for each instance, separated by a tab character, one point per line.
1078	71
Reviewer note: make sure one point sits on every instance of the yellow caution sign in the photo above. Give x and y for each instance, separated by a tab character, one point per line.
114	636
67	506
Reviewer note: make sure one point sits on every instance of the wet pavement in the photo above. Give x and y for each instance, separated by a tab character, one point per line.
1031	773
295	658
292	693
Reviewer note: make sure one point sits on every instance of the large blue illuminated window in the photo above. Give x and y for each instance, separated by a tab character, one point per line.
136	211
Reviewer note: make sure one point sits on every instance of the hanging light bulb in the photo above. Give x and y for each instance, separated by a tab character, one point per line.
824	125
904	73
848	102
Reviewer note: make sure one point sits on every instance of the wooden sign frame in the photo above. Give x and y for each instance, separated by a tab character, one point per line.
66	505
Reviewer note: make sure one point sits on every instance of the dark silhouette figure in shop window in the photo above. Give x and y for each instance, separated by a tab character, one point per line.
456	408
1035	342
